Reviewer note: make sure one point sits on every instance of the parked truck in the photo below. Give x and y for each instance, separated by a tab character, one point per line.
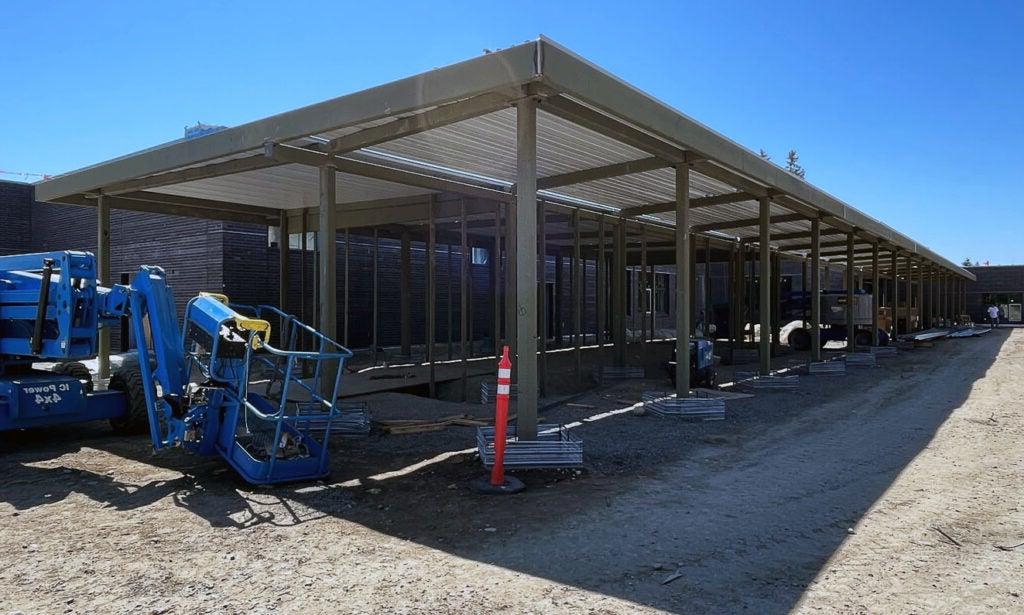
834	323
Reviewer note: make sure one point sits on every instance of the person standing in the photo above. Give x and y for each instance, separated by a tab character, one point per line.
993	316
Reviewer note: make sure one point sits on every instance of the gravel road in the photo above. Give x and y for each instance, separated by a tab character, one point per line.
889	490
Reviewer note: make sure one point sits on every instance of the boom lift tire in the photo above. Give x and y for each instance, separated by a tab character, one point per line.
136	416
78	371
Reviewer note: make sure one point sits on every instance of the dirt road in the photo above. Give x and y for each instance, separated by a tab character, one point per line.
891	494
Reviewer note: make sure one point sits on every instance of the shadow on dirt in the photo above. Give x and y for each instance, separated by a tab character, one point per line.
748	510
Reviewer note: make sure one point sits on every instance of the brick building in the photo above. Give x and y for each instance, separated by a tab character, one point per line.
1002	285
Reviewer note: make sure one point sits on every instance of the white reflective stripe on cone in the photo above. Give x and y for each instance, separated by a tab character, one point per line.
504	373
502	389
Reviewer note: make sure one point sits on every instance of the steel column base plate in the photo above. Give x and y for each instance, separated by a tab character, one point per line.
483	485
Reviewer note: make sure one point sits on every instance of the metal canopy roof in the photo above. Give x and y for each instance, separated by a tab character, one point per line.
602	145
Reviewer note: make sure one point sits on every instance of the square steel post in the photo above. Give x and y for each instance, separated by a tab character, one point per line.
375	297
682	287
577	296
895	272
496	280
103	279
542	300
921	295
327	271
708	305
405	297
909	291
642	295
283	252
464	296
348	284
816	289
851	321
526	266
764	283
619	293
431	291
602	284
875	295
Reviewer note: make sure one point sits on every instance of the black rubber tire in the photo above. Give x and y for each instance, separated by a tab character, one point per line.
862	338
78	371
800	339
136	417
883	338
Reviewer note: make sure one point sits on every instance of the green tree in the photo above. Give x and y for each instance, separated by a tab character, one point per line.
792	164
764	154
967	263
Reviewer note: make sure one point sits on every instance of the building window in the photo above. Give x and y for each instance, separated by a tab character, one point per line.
481	256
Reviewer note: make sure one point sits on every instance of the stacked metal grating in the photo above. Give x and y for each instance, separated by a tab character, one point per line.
860	359
884	351
608	373
488	389
745	355
701	407
755	381
826	368
352	419
555	447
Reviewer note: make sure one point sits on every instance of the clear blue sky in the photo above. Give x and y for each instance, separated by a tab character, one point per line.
910	111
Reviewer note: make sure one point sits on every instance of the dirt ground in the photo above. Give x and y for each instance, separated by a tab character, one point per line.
894	489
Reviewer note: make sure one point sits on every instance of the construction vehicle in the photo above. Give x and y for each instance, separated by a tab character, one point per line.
193	384
834	324
702	364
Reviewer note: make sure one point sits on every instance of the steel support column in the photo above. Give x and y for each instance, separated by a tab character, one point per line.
875	295
431	321
577	296
682	285
602	285
851	321
464	264
103	279
327	270
405	297
526	266
283	252
910	291
764	282
816	289
542	300
619	293
895	309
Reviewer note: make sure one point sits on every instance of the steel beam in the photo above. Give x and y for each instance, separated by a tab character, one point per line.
526	266
697	203
437	117
734	224
682	286
617	169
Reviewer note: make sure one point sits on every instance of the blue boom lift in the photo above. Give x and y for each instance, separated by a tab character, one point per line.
214	385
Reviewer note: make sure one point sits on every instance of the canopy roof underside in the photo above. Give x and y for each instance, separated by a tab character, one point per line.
602	146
